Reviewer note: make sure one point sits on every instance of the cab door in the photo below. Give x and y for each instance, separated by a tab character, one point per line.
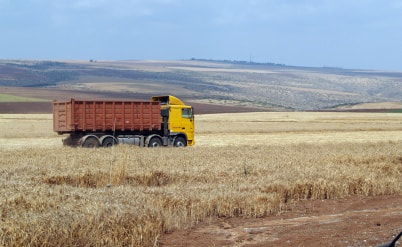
187	120
181	120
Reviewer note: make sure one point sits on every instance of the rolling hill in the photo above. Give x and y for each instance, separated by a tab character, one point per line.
242	85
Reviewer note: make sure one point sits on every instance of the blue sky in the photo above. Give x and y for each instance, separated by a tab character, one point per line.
361	34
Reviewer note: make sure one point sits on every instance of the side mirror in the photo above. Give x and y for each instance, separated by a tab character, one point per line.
392	243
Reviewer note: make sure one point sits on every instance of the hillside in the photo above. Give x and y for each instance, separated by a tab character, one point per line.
240	84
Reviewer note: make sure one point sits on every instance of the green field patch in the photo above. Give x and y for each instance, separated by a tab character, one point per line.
14	98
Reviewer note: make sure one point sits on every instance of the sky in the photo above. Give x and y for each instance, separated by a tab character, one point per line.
354	34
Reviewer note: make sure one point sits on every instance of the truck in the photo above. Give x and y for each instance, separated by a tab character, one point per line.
162	121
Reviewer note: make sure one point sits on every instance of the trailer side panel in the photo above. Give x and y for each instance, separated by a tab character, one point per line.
91	116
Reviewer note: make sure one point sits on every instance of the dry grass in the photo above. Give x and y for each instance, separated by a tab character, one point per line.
291	122
284	128
130	196
26	126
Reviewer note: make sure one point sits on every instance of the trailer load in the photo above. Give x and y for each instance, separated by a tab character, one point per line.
162	121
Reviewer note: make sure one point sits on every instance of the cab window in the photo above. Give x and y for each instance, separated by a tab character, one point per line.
186	113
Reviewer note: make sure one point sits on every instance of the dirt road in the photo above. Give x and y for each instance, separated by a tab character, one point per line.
354	221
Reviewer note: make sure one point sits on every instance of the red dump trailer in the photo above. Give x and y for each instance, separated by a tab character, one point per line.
93	123
85	116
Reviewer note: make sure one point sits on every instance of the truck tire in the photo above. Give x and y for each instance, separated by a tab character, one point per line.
155	142
109	142
91	142
180	142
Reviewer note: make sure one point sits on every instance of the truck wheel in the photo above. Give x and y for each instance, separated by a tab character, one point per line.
155	142
180	142
108	142
91	142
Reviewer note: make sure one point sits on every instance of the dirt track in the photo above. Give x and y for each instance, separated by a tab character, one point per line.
354	221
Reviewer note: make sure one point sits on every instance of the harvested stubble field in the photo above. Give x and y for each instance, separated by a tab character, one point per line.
243	165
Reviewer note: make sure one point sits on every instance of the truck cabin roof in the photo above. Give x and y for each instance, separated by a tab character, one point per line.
167	100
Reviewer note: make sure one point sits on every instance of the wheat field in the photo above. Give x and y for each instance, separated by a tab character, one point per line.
243	165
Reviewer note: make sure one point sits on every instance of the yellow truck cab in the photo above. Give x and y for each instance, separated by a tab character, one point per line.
178	119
